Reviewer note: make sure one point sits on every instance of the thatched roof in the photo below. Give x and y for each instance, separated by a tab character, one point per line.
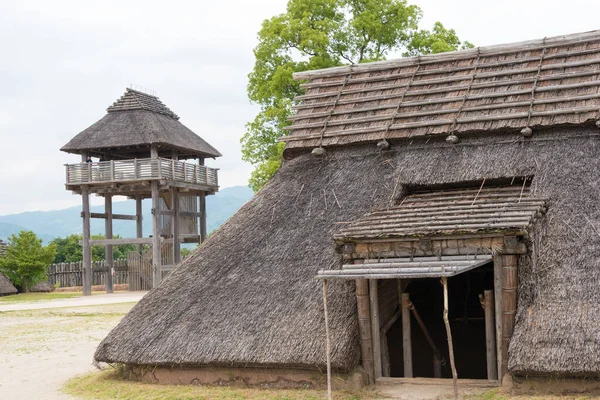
540	83
507	209
6	286
137	120
248	295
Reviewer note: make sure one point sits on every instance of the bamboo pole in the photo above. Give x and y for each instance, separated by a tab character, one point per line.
449	334
406	336
108	225
374	297
327	342
498	312
364	325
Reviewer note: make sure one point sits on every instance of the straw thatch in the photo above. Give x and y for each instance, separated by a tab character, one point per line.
540	83
248	296
133	123
6	286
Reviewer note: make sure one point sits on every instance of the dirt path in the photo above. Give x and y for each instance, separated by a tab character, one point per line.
41	348
97	299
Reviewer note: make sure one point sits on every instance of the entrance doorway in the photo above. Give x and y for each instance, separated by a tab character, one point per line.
467	322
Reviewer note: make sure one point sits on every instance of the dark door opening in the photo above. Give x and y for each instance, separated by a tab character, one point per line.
467	322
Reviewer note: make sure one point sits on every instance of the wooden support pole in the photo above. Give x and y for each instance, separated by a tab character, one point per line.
108	225
437	357
498	312
138	225
449	334
175	226
202	210
364	326
406	336
327	343
490	335
202	217
509	304
156	253
374	297
87	254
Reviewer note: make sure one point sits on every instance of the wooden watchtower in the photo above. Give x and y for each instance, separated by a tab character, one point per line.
142	151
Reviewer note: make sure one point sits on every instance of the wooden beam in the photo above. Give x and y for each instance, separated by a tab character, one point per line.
114	216
87	255
374	297
490	335
364	326
449	334
156	253
117	242
406	336
108	225
202	197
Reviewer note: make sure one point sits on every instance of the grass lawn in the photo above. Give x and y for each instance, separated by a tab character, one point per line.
108	385
496	394
30	297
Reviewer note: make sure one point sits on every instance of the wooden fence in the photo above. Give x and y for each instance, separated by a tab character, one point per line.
70	274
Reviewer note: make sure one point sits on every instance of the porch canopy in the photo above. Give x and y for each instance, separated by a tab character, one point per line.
404	268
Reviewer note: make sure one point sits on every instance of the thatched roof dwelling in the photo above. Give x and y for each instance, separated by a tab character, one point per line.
6	286
511	129
135	122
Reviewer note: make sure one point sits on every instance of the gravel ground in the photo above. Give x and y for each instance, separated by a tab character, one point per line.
42	347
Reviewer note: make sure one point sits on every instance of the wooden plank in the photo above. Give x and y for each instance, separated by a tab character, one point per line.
490	336
114	216
374	300
406	336
364	325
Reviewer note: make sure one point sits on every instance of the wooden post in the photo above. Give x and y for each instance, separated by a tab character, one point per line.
364	325
108	225
498	312
87	255
374	297
156	253
175	226
202	196
138	213
490	339
327	343
449	334
509	304
406	336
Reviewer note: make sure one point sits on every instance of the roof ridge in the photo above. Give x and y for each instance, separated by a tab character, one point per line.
135	100
513	47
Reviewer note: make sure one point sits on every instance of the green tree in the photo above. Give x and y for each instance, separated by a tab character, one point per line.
26	260
314	34
69	250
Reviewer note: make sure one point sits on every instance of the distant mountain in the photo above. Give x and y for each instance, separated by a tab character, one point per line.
60	223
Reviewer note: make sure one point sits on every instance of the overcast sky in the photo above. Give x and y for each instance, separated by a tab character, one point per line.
63	62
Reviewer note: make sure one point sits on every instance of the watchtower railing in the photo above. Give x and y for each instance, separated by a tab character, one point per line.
141	169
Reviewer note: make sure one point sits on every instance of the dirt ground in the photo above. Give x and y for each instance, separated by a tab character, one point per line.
42	348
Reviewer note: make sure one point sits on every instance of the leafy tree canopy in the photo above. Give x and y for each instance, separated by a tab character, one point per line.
314	34
69	250
26	260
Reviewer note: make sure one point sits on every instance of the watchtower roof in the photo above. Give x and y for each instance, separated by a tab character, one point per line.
133	123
